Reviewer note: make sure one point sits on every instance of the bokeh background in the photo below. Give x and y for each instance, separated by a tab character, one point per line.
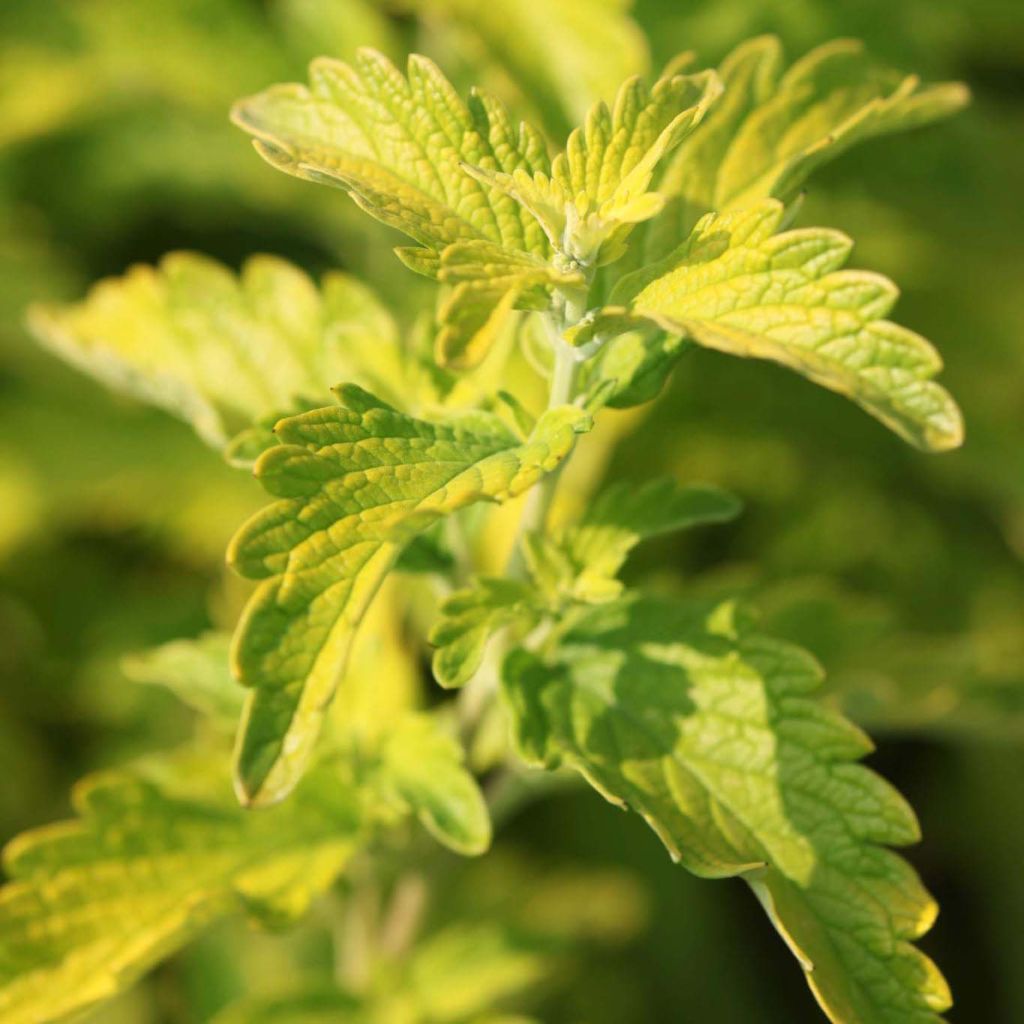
902	572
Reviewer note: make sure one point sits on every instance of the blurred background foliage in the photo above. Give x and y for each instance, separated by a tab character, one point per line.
901	572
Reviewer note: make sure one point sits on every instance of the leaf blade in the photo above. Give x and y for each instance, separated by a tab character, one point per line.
155	855
737	287
714	736
357	482
397	144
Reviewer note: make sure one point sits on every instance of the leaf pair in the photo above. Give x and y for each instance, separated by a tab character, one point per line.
161	850
448	173
578	566
598	188
155	856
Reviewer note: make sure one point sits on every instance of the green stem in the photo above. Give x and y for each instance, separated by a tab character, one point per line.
539	501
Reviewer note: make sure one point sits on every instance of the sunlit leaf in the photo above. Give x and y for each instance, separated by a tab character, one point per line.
738	287
357	482
223	352
154	857
397	144
597	190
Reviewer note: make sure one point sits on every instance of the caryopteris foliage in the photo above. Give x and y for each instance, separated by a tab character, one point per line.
664	224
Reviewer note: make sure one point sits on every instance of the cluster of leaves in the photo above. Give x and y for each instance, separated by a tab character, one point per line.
663	225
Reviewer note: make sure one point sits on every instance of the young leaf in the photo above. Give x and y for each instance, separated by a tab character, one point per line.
597	189
468	619
770	131
357	482
397	144
714	737
488	282
422	766
223	352
155	856
197	671
737	287
625	514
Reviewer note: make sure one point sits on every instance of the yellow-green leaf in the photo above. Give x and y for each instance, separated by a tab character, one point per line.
155	856
597	190
564	56
624	515
468	619
223	352
197	671
422	764
357	482
397	143
773	129
488	282
738	287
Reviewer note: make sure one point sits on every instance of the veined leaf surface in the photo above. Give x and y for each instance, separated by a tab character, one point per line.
738	287
357	482
714	736
398	143
597	190
155	856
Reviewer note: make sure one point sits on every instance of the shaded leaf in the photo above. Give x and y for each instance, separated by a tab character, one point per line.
469	618
714	736
423	765
196	671
771	129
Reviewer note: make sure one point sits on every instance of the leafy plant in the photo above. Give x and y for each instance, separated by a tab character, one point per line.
568	286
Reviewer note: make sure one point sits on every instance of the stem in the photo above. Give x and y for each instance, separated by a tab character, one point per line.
563	379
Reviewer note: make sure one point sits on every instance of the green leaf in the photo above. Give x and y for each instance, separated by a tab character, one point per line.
154	857
357	482
197	671
422	765
714	736
626	514
397	144
634	364
737	287
468	619
221	351
771	130
597	190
